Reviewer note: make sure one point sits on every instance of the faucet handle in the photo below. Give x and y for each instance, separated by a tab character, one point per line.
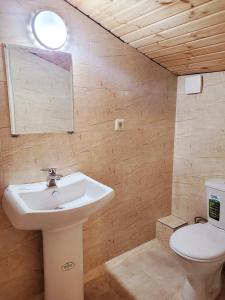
51	171
58	176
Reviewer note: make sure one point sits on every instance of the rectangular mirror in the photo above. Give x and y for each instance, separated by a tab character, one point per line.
40	90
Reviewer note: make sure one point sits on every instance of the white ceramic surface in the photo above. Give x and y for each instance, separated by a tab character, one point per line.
203	279
34	206
199	242
59	212
200	248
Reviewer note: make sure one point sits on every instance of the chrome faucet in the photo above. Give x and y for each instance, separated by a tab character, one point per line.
52	176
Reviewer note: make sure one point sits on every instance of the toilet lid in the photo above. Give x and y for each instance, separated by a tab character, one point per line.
199	242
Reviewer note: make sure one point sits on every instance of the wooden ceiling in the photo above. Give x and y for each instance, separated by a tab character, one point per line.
184	36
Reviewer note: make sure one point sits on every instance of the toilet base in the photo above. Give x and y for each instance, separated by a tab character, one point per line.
189	293
203	286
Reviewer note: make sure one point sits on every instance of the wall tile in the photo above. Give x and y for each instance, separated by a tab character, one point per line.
111	80
199	151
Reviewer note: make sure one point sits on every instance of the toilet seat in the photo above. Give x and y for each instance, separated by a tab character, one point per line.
199	242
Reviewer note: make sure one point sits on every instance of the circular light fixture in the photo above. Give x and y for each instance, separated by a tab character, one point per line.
49	29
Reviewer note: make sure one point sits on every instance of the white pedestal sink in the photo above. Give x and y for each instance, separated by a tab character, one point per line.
59	212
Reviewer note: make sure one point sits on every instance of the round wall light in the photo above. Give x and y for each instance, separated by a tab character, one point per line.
49	29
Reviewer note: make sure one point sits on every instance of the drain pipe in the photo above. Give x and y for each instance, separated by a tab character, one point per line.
199	219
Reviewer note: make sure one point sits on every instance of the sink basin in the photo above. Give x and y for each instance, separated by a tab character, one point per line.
34	206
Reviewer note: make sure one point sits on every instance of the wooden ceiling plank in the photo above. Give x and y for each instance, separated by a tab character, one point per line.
132	12
164	59
188	37
89	7
192	66
176	25
205	22
184	36
192	53
216	39
76	2
208	49
112	10
162	13
205	69
194	59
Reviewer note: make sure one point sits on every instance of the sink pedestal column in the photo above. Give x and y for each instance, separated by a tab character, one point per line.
63	263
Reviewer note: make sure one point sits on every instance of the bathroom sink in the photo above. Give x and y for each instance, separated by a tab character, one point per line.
34	206
59	211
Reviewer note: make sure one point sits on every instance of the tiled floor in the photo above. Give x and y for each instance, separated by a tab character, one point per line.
149	272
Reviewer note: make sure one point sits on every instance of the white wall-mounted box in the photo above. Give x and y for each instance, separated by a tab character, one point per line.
193	84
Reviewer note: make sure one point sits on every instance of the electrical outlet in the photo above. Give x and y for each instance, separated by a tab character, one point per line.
119	124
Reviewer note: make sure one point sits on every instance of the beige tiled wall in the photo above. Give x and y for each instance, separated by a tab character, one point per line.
199	151
111	80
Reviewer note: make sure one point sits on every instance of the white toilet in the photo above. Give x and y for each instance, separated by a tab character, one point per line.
200	248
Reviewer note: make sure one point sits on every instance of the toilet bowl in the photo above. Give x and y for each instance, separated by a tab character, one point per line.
200	249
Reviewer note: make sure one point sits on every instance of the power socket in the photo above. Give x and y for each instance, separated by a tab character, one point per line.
119	124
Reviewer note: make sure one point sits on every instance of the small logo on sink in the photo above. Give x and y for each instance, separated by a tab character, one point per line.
68	266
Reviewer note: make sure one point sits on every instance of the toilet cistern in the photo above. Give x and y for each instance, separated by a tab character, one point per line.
59	212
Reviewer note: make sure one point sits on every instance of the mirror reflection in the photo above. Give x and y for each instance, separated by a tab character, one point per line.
40	90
